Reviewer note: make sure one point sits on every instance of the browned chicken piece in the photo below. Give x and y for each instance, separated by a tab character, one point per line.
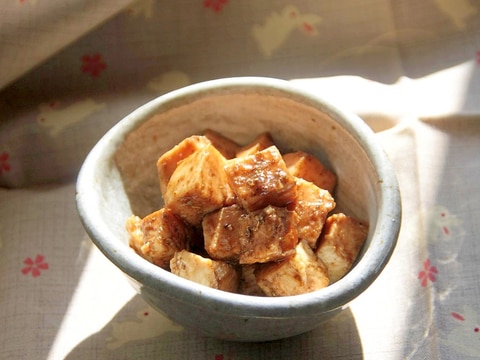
261	142
271	235
226	146
158	236
261	179
236	235
340	242
198	185
312	207
248	282
308	167
208	272
222	232
299	274
167	163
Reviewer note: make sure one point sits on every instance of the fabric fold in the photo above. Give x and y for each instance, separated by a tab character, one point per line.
32	31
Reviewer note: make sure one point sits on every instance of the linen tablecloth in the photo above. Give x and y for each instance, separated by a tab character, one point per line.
70	70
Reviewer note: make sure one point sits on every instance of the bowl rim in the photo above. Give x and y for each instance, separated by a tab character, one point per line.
334	296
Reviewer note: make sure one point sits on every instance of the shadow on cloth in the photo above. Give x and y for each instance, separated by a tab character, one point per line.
139	332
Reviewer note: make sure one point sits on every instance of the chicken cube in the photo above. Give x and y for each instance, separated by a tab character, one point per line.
158	236
248	282
261	179
198	185
167	163
261	142
222	232
312	207
340	242
236	235
226	146
308	167
208	272
299	274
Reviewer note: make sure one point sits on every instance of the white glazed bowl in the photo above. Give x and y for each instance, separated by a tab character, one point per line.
240	108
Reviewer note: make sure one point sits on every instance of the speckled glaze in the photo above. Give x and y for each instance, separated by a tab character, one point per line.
241	108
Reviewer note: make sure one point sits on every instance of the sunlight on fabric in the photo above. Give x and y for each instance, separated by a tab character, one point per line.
357	94
439	93
93	304
411	313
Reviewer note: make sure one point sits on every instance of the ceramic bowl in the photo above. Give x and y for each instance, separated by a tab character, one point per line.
239	108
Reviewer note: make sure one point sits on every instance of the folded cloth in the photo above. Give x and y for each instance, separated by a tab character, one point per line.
31	31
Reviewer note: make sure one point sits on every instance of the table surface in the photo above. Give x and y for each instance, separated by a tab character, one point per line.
70	70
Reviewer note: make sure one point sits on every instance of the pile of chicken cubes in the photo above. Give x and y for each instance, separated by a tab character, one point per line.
247	219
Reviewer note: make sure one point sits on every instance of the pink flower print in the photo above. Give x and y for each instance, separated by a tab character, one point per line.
445	228
308	28
458	316
93	64
293	13
461	318
34	265
428	273
4	164
215	5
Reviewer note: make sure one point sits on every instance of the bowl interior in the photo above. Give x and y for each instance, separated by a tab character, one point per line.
242	116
